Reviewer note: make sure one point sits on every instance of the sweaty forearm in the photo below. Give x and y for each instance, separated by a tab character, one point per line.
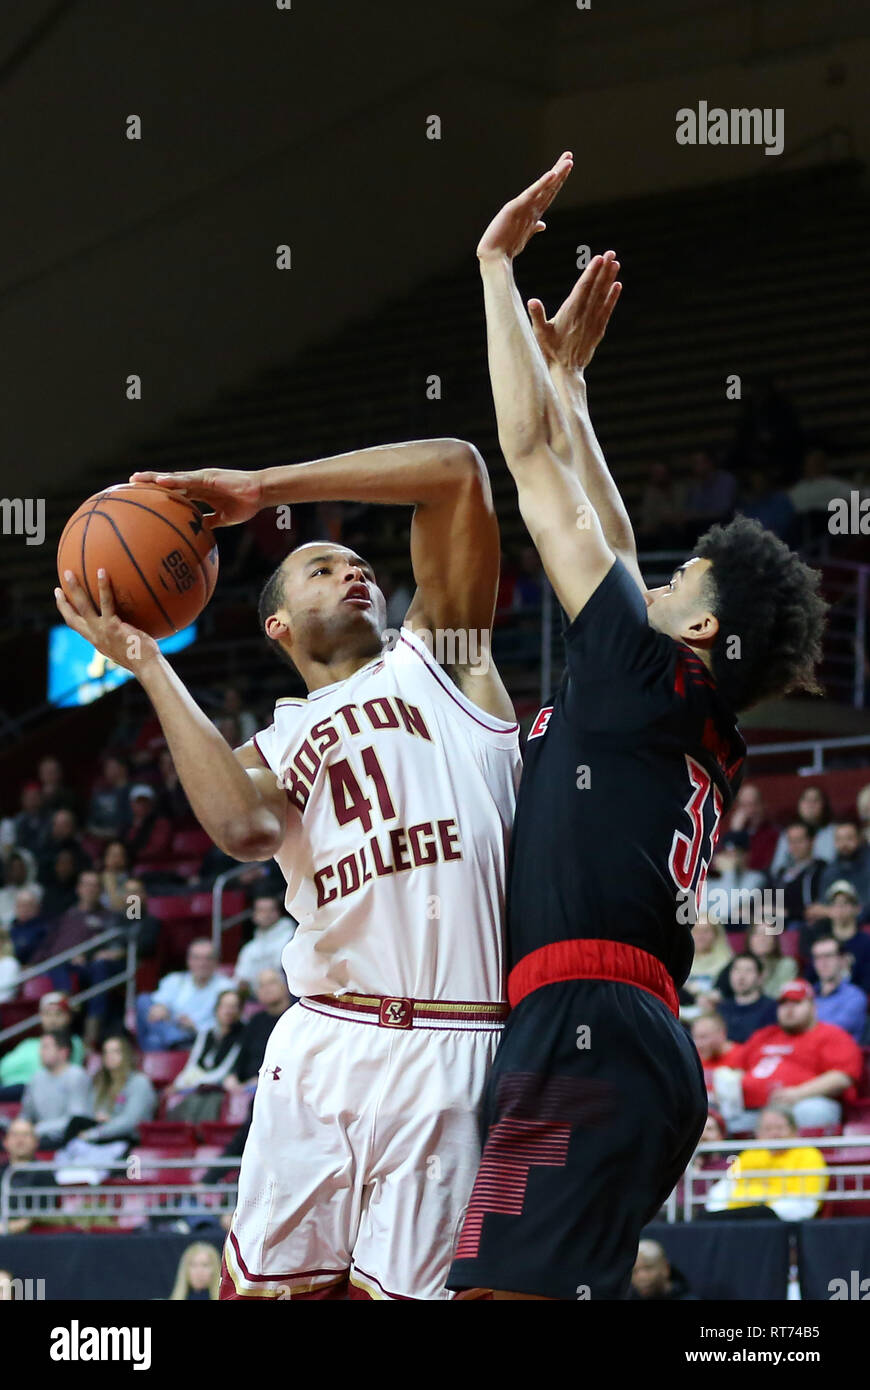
527	408
590	463
393	474
222	796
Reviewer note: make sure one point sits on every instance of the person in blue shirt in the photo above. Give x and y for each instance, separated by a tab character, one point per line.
183	1004
837	999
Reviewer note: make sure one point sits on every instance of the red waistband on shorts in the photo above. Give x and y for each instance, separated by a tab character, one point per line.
592	960
391	1011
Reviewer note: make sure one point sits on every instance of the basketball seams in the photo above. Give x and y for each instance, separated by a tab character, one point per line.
130	502
133	561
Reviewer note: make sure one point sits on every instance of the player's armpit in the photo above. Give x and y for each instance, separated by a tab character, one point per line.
564	527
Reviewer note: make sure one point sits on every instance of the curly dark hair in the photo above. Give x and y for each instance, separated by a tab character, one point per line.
270	600
765	596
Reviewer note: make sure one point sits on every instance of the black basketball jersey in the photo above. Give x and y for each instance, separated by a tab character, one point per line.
626	778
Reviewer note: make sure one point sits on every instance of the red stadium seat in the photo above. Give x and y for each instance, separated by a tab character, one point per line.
9	1109
37	987
789	943
216	1132
172	907
16	1011
161	1068
150	1159
167	1134
190	844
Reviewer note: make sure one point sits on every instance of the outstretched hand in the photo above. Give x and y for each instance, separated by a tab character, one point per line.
233	495
570	337
513	227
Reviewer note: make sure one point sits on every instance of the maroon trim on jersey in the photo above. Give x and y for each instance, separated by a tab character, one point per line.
592	960
434	671
376	1007
261	753
355	1291
689	663
228	1290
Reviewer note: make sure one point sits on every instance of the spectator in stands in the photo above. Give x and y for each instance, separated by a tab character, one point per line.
21	1145
852	861
9	967
654	1278
712	956
661	510
149	835
7	1286
109	810
272	930
55	795
255	878
842	910
712	491
799	875
814	812
29	925
199	1274
114	872
123	1096
63	834
766	501
398	597
816	486
750	814
135	913
809	1066
172	802
776	969
59	1092
19	872
214	1053
710	1037
784	1179
273	998
734	894
75	928
19	1066
30	825
837	999
183	1003
59	884
234	704
747	1009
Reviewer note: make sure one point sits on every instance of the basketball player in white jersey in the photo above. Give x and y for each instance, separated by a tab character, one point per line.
387	798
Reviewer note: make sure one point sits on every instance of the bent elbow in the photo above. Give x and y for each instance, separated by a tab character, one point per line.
252	840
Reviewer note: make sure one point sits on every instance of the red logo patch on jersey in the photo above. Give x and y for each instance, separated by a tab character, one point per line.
542	719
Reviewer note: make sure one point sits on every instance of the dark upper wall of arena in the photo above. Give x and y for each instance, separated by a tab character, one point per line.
308	127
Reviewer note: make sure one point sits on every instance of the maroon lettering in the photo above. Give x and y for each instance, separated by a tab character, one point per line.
415	834
448	832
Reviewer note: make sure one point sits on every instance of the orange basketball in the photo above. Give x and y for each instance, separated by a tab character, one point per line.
160	557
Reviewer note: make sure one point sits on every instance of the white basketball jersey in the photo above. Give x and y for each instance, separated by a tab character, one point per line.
401	796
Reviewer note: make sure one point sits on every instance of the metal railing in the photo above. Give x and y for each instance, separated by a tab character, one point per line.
814	747
220	923
131	1200
693	1190
127	976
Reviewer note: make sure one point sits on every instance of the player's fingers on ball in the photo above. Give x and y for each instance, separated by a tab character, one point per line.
107	597
66	610
76	596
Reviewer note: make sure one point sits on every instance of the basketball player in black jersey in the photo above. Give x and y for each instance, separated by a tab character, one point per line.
596	1099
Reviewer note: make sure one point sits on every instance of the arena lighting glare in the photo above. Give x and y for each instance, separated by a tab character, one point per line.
78	674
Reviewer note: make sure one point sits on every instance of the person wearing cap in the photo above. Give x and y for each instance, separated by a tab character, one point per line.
18	1067
842	909
809	1066
149	834
837	999
852	863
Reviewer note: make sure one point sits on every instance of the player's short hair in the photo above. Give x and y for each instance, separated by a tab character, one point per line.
270	600
763	594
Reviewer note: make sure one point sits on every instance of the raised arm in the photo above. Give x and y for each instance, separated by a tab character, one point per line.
234	798
454	530
532	426
568	342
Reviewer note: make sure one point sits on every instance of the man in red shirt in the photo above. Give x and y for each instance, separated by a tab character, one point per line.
809	1066
710	1037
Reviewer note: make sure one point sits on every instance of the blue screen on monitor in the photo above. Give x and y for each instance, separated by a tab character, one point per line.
78	674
